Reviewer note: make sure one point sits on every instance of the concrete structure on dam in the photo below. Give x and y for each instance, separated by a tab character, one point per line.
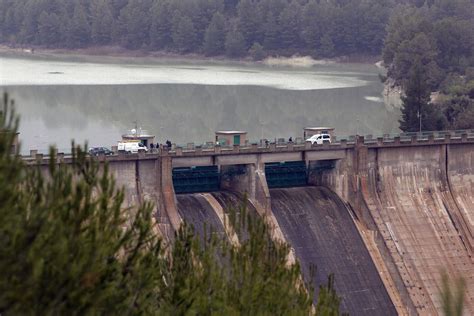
399	211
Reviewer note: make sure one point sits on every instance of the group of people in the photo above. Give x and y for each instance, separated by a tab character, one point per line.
290	140
166	145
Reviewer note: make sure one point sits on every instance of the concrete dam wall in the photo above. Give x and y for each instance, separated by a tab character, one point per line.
386	217
417	204
408	194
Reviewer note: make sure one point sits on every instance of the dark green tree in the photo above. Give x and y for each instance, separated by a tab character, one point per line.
455	43
326	46
29	28
420	49
79	31
310	25
328	301
101	21
48	28
249	22
405	22
416	100
272	34
289	21
235	44
456	101
160	29
372	27
202	15
67	246
11	18
183	33
257	52
134	23
214	39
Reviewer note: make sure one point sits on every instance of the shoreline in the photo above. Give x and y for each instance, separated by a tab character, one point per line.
114	54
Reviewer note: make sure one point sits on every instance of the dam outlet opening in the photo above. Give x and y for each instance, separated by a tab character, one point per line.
196	179
286	174
294	173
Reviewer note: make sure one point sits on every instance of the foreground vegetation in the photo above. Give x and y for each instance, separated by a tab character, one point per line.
68	247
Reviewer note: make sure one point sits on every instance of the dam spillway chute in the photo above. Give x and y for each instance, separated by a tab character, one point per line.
210	213
196	179
318	225
196	211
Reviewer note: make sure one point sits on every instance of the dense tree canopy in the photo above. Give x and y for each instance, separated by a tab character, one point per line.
418	113
440	36
435	40
318	28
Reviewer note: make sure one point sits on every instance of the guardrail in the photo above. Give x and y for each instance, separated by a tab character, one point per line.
209	148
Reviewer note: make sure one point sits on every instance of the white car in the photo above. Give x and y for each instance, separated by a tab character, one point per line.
319	139
131	147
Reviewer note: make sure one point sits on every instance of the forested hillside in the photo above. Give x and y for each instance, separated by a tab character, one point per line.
212	27
431	48
440	36
237	28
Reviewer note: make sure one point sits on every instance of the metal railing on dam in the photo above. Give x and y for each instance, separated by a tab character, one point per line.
280	146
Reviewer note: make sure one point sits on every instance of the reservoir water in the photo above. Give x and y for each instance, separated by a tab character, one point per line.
96	100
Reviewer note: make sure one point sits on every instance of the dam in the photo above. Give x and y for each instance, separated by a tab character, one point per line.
386	216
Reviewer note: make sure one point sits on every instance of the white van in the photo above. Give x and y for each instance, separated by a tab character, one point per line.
131	147
319	139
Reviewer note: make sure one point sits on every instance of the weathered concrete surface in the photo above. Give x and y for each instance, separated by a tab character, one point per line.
461	182
233	202
126	176
344	180
407	194
211	212
253	185
192	161
318	225
198	212
222	211
168	202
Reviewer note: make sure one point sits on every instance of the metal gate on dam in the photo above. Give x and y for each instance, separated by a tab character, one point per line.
385	215
196	179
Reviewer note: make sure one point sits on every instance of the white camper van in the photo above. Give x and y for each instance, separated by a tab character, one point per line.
131	147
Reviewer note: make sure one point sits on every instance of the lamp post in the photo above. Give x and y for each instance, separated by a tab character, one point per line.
419	116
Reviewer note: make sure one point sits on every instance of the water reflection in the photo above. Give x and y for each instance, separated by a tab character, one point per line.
258	100
187	113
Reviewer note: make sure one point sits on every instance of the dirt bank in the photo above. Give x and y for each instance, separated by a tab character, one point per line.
114	54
